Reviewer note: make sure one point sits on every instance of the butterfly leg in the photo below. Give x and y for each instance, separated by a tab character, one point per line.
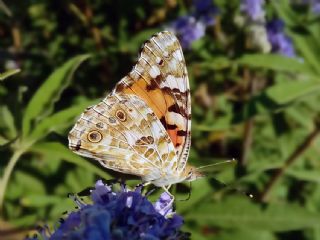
142	185
145	184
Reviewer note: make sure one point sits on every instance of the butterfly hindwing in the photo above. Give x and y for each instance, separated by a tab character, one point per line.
130	137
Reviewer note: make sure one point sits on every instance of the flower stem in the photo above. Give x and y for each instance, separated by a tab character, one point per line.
7	172
292	158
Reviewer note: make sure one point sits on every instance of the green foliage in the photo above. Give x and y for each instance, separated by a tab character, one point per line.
258	108
8	73
30	139
241	213
41	103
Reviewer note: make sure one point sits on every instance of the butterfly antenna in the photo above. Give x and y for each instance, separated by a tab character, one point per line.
150	192
248	194
225	162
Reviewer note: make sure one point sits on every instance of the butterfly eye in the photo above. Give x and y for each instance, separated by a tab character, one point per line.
94	136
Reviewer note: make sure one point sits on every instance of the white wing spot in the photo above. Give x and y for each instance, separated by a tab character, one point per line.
158	60
177	54
171	82
154	71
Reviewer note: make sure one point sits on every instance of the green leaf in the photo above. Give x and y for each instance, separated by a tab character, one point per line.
29	182
78	179
275	98
59	120
9	73
220	124
289	91
305	175
65	204
25	220
5	9
239	213
285	12
42	101
306	47
274	62
216	63
64	153
246	234
8	121
37	200
3	141
135	41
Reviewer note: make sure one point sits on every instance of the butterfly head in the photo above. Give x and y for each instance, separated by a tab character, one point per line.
191	173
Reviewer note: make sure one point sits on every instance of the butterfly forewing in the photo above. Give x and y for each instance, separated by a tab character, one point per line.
160	78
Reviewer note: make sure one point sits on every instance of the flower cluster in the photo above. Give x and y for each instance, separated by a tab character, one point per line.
266	35
122	214
253	8
192	27
313	4
280	42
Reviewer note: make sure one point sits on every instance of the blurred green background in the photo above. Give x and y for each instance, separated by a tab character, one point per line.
254	70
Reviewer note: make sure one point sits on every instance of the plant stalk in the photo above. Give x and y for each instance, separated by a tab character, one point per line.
7	173
291	159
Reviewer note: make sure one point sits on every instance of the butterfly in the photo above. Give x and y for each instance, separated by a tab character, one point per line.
143	127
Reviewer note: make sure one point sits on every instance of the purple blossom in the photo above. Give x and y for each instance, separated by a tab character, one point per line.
162	206
316	7
253	8
190	28
205	11
119	215
314	4
280	42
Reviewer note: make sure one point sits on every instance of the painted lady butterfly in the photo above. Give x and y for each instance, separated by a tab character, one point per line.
143	126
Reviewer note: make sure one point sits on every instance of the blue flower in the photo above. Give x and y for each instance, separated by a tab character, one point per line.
314	5
162	206
280	42
253	8
122	214
188	29
205	11
192	27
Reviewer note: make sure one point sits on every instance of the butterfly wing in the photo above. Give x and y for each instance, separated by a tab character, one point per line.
123	134
160	78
